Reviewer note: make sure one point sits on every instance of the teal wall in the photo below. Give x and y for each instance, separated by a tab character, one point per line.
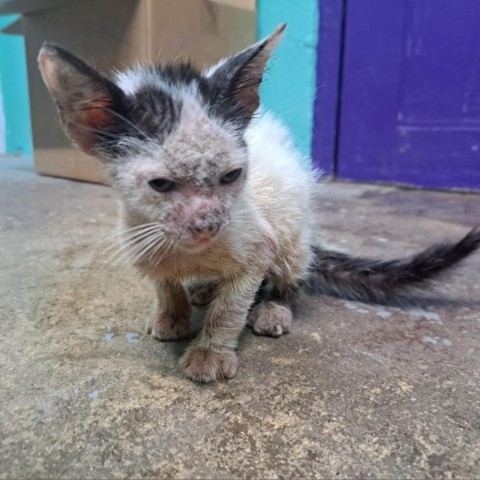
13	81
289	86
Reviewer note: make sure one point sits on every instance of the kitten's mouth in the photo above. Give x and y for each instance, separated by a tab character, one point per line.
196	246
201	243
198	243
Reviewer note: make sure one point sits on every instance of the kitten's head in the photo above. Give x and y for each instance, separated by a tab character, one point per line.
170	136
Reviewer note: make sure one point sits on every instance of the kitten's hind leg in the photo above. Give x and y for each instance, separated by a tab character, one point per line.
271	318
273	315
171	315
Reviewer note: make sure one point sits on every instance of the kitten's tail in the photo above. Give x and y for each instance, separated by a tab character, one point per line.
364	279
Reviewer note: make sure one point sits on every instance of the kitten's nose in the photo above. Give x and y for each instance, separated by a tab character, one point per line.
205	230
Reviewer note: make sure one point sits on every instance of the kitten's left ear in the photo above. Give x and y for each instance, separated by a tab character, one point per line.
86	100
240	75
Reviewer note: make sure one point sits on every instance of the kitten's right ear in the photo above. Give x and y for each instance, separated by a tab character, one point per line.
240	75
86	100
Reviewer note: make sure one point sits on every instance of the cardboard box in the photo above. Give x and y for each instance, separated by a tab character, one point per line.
115	34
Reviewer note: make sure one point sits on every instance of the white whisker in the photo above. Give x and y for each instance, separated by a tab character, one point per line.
145	247
162	250
128	230
123	251
134	237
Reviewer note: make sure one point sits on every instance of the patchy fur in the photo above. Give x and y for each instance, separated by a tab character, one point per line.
211	192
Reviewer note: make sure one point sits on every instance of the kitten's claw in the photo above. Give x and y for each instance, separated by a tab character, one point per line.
166	328
271	319
206	366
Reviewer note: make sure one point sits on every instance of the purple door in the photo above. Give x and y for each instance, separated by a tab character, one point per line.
409	104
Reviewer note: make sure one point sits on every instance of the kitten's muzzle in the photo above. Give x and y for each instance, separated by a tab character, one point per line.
202	235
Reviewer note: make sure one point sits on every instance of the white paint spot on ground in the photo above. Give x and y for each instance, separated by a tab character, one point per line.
382	239
436	340
132	337
94	394
384	314
418	312
108	336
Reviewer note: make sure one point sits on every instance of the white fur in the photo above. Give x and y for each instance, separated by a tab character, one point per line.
131	81
282	189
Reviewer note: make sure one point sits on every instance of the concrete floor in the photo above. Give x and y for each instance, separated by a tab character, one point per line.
354	391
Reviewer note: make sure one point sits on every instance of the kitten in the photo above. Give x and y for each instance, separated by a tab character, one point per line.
210	190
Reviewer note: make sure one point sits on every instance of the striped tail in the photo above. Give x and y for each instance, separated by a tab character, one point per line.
368	280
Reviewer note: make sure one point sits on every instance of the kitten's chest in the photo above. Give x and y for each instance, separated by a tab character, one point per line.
219	260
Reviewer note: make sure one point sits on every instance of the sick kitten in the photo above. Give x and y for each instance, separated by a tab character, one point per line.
211	191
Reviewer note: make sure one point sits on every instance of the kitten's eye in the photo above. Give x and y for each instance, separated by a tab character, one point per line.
161	185
230	177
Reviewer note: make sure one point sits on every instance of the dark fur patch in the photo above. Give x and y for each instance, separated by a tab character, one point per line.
154	112
179	73
216	91
365	279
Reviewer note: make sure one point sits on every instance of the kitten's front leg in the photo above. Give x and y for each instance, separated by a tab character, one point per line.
212	354
171	316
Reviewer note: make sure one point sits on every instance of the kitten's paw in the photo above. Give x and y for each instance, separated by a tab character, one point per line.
271	319
205	366
166	328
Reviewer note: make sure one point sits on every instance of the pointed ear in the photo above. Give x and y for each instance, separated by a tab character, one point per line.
86	100
241	74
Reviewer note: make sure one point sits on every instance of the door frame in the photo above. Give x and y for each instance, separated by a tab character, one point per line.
329	79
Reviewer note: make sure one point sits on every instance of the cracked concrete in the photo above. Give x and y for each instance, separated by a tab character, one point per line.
354	391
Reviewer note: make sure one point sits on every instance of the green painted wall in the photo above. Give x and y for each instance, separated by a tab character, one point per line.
289	87
13	81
